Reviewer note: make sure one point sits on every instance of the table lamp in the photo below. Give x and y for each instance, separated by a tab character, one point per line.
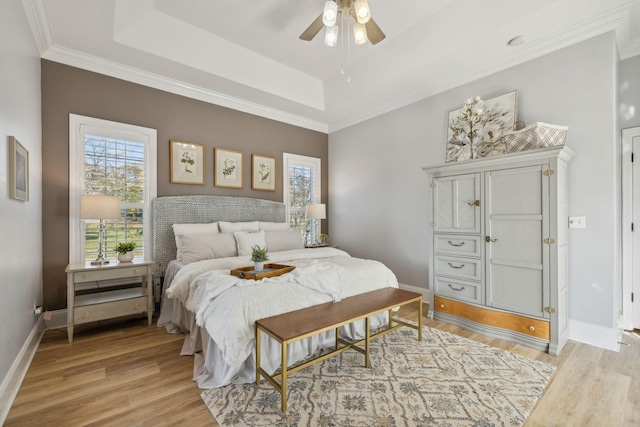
101	208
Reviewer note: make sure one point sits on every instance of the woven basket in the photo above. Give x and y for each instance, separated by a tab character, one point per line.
536	135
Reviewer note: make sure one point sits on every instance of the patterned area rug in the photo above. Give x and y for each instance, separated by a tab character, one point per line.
445	380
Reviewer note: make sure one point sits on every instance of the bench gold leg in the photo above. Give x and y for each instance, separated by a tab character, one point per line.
420	319
283	384
367	334
257	355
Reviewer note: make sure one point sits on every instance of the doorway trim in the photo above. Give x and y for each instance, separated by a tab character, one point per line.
627	216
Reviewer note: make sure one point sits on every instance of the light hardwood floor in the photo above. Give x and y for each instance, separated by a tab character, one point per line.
128	373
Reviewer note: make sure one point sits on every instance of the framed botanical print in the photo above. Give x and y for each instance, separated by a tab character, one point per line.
187	163
18	171
228	168
263	173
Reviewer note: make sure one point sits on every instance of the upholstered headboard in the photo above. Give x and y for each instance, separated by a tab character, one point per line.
171	210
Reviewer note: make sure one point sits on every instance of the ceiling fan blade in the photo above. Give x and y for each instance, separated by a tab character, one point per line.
313	29
374	33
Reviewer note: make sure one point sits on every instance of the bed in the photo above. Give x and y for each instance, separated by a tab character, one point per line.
217	311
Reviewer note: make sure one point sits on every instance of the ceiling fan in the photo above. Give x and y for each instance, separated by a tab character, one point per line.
365	28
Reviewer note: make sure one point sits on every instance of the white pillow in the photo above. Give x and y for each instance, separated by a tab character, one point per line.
231	227
274	226
196	247
277	241
247	240
180	230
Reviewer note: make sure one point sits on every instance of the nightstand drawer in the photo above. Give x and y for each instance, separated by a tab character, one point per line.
457	245
95	312
464	268
459	289
108	273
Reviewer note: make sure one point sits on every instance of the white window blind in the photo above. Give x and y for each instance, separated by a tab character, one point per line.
112	159
302	187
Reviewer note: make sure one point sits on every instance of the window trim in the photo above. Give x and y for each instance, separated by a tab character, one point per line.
288	160
148	136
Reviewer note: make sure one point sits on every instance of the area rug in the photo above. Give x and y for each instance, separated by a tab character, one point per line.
445	380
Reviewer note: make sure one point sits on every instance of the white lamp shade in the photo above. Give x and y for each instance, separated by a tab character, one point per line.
331	36
317	211
330	13
362	12
100	207
360	33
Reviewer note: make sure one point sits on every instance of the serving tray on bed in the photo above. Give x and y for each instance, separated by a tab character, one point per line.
270	270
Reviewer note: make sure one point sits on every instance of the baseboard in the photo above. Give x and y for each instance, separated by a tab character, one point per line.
11	384
423	291
594	335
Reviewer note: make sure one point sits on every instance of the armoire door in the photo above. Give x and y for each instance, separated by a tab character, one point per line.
456	207
517	259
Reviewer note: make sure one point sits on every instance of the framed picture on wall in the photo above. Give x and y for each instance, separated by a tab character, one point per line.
228	168
263	173
187	163
18	171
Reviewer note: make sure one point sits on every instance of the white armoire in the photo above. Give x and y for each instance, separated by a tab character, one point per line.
498	246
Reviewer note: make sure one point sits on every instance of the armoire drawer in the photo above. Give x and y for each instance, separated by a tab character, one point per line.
499	319
464	268
457	244
459	289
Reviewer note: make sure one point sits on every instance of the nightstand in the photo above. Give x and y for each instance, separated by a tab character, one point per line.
88	301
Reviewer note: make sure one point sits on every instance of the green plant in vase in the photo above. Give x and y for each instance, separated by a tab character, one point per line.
125	251
259	256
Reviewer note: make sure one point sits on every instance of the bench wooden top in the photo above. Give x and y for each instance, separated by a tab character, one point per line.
294	324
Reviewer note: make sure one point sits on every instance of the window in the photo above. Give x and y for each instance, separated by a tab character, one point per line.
301	187
112	159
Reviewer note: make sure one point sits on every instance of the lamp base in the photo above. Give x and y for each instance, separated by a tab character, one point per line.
100	261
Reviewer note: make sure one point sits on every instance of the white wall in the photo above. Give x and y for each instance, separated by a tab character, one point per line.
629	92
20	222
379	194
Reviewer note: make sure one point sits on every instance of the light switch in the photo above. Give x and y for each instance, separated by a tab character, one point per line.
577	222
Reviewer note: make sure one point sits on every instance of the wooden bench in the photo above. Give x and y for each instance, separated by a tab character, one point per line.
296	325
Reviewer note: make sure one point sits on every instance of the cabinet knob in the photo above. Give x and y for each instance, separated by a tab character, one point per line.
85	275
441	305
531	328
137	306
87	314
136	270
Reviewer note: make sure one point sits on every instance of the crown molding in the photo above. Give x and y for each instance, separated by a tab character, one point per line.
36	12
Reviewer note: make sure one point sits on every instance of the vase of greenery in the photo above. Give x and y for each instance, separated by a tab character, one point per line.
125	251
259	256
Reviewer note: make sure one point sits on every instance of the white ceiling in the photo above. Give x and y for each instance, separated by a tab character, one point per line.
246	55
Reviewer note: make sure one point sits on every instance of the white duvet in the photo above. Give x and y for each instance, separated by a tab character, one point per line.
228	306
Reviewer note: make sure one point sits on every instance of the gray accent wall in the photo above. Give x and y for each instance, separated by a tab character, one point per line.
20	222
379	201
68	90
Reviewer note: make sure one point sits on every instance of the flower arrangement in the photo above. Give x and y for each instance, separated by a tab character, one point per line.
124	247
259	254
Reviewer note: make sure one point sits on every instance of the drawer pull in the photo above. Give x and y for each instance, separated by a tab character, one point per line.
488	239
136	270
531	328
137	306
455	266
456	289
87	314
474	203
455	244
85	275
441	305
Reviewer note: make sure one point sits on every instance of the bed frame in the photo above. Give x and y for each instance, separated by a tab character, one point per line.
171	210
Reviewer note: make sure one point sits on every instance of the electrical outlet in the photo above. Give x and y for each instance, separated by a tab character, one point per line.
37	309
577	222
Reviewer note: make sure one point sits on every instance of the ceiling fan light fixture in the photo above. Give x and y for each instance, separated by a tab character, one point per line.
359	33
331	36
362	11
330	13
